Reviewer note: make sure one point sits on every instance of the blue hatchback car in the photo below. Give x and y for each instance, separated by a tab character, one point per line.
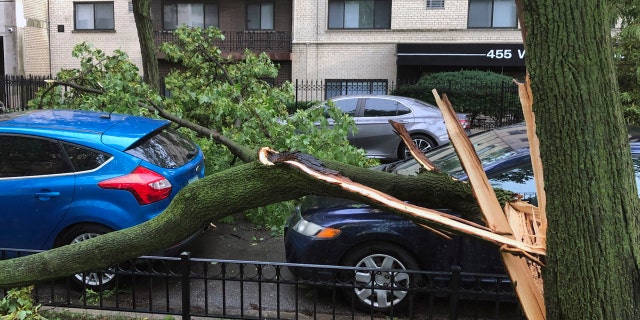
68	175
332	231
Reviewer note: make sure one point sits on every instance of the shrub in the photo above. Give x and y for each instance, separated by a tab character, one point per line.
472	92
18	305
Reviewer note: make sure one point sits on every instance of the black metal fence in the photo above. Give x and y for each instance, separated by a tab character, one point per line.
190	287
488	105
16	91
501	102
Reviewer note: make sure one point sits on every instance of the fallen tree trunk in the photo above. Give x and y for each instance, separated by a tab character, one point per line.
243	187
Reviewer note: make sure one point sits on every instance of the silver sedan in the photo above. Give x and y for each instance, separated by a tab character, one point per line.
375	135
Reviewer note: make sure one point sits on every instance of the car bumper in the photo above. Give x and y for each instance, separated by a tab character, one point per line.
303	250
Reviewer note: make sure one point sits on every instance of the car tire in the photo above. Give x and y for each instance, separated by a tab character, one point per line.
423	142
379	255
95	281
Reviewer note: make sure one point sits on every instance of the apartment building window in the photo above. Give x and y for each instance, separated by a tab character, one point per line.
492	14
435	4
260	16
359	14
195	15
338	87
93	16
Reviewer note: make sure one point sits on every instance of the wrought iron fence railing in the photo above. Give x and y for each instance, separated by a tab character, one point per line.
16	91
229	289
502	107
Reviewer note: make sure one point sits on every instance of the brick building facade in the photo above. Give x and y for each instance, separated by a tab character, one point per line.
65	34
337	41
343	54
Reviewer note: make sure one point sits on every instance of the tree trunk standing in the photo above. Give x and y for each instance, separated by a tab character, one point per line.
142	16
592	207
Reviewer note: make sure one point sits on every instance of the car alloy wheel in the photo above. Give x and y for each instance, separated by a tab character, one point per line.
94	280
423	142
91	280
379	285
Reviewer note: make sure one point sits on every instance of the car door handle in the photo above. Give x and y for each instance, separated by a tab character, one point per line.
44	196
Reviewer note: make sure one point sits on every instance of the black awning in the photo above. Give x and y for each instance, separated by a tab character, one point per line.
461	54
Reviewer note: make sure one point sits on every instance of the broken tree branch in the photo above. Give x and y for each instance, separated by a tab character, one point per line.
413	149
267	157
519	269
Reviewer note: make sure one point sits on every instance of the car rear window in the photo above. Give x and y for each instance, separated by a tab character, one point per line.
166	148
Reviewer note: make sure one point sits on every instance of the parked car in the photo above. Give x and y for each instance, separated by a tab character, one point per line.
331	231
372	113
67	176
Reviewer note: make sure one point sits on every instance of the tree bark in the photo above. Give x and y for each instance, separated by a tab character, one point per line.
592	207
142	16
247	186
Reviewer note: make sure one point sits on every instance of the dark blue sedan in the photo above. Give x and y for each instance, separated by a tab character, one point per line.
331	231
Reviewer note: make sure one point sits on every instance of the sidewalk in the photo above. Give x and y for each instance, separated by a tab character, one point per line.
238	241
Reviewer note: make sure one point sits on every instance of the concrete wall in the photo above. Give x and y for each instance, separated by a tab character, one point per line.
8	31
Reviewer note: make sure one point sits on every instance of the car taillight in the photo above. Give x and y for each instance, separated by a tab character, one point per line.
464	123
147	186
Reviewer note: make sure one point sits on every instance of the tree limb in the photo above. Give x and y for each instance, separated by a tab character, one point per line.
415	152
211	199
245	154
426	216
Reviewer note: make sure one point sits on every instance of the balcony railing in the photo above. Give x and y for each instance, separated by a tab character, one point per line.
238	41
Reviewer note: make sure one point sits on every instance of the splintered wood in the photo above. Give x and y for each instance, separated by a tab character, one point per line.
531	221
524	220
417	154
526	99
518	220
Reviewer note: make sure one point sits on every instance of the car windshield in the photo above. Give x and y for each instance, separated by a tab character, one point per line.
491	146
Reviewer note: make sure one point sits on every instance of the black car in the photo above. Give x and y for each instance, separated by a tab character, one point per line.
331	231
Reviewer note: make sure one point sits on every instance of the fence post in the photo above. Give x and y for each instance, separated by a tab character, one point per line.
297	101
454	292
503	104
185	271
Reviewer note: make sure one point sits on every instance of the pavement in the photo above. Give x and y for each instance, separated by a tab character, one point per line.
241	240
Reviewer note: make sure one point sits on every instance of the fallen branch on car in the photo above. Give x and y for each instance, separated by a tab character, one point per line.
270	157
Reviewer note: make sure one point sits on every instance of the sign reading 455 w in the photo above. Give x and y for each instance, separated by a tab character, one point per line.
504	54
461	54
